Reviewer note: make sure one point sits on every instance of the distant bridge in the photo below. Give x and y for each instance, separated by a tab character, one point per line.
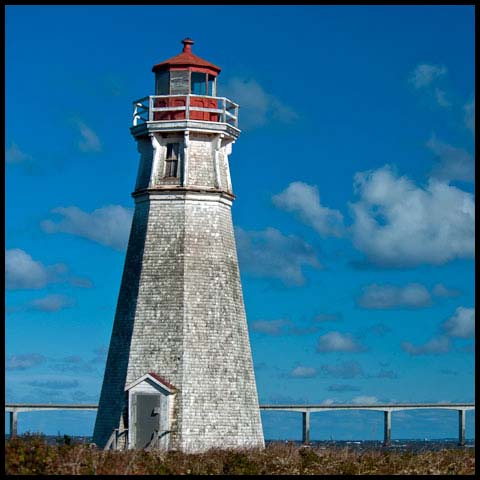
15	408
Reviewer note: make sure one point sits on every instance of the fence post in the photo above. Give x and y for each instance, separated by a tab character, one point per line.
461	428
306	427
387	431
13	423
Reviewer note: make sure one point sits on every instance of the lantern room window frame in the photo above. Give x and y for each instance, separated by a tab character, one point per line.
210	82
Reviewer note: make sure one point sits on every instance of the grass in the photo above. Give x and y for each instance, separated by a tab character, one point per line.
30	454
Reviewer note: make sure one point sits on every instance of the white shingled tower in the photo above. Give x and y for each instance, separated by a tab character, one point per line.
179	371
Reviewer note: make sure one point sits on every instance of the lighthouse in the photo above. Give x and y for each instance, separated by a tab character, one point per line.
179	372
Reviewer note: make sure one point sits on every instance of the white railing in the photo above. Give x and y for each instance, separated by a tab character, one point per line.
144	109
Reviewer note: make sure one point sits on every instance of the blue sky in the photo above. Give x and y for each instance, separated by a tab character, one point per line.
354	218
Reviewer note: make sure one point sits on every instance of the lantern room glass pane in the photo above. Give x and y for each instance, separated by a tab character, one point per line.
199	83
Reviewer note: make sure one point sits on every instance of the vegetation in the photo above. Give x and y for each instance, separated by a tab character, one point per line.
30	454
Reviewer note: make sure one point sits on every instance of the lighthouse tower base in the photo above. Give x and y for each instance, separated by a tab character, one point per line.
180	316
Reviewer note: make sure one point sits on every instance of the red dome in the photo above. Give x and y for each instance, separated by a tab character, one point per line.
187	59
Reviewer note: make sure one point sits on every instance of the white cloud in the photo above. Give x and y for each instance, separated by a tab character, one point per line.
453	163
22	362
270	327
469	117
257	106
436	345
269	253
51	303
304	372
440	290
89	141
108	225
22	272
349	369
365	400
304	200
15	155
424	74
461	324
397	224
440	97
413	295
338	342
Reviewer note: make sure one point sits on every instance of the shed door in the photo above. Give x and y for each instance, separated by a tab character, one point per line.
147	419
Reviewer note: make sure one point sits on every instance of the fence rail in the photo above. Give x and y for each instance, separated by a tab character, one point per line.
305	410
162	108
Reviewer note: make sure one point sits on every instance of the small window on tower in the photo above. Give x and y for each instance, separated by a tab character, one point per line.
199	83
171	160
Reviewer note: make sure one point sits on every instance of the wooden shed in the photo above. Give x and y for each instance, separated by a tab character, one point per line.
150	412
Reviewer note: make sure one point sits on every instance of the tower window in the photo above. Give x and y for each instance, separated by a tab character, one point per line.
199	83
171	160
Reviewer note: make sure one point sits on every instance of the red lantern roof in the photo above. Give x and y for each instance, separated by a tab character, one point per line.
186	59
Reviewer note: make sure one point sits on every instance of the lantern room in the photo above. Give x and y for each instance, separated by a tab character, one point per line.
186	74
185	94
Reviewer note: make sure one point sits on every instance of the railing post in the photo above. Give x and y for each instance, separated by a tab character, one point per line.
306	427
13	423
236	116
187	108
461	428
387	431
150	107
224	101
135	115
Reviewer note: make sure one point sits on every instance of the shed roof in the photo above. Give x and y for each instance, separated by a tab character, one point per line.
186	59
154	378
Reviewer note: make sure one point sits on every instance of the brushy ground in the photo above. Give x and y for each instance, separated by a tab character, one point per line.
30	454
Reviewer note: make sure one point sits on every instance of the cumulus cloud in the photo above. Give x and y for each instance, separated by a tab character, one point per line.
436	345
461	324
257	106
304	201
413	295
23	362
23	272
109	225
269	253
281	327
441	98
51	303
347	369
55	384
397	224
424	74
452	163
270	327
15	155
469	118
338	342
304	372
89	141
440	290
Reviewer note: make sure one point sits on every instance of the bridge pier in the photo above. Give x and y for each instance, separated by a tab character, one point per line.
461	428
306	427
13	423
387	430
